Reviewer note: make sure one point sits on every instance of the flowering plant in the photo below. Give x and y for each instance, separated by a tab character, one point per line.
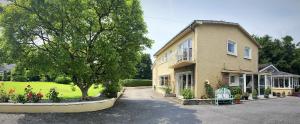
32	96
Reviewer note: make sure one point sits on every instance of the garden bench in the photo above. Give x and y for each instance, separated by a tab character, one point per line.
223	95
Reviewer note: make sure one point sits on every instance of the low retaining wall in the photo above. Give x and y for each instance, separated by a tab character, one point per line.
197	101
73	107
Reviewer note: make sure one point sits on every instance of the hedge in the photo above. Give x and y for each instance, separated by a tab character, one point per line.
136	82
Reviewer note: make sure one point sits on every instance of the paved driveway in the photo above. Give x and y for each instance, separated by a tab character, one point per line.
141	105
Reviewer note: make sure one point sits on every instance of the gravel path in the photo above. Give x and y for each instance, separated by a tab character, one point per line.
141	105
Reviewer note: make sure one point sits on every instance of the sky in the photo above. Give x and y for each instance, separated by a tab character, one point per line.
165	18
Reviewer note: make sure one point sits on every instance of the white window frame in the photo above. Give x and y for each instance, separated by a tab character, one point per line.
181	47
166	79
235	48
232	77
250	53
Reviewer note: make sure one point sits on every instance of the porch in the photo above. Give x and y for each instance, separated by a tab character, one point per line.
248	81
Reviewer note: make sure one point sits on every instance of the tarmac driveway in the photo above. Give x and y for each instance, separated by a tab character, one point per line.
142	106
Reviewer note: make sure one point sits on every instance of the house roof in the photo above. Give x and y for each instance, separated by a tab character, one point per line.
264	67
191	27
283	73
7	67
277	72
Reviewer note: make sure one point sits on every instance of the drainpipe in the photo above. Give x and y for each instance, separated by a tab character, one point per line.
245	85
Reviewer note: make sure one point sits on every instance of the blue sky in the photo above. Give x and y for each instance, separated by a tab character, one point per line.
277	18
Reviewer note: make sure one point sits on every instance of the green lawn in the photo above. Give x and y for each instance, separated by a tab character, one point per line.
64	90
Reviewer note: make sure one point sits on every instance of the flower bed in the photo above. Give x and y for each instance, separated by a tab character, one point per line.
32	102
68	107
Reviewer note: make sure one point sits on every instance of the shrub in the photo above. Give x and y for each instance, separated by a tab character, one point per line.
187	94
21	99
32	96
3	95
254	94
237	96
209	90
136	82
12	95
283	94
235	90
53	95
63	80
245	95
19	78
111	90
222	84
267	92
278	94
167	90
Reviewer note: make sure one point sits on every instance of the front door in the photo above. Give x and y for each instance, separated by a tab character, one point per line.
184	80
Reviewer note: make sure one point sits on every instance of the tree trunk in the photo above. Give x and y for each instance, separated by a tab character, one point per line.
84	92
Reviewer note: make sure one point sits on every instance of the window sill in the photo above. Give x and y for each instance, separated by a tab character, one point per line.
247	58
232	54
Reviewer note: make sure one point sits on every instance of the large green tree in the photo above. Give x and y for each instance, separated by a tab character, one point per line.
283	53
92	41
144	70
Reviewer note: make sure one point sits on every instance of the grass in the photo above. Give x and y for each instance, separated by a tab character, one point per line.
64	90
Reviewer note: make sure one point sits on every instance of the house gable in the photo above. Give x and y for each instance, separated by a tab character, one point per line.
269	69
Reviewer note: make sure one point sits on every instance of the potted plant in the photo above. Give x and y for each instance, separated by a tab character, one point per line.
245	95
278	94
254	94
267	92
283	94
237	99
168	91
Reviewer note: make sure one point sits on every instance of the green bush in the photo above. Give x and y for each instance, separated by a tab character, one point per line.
187	94
267	92
4	97
237	96
235	90
209	90
21	99
167	90
111	90
63	80
136	82
19	78
53	95
254	94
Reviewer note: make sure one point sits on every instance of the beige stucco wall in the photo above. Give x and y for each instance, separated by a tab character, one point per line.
212	55
288	91
160	69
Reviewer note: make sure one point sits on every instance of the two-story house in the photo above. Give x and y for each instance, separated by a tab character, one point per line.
208	51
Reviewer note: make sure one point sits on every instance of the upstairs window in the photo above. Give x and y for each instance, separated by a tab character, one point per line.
247	53
184	51
231	48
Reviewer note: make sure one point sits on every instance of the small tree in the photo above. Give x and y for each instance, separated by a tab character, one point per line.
89	40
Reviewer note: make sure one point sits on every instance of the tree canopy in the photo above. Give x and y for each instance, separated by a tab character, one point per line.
283	53
89	40
144	70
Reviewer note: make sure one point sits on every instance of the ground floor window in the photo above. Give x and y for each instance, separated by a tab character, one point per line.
285	82
164	80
